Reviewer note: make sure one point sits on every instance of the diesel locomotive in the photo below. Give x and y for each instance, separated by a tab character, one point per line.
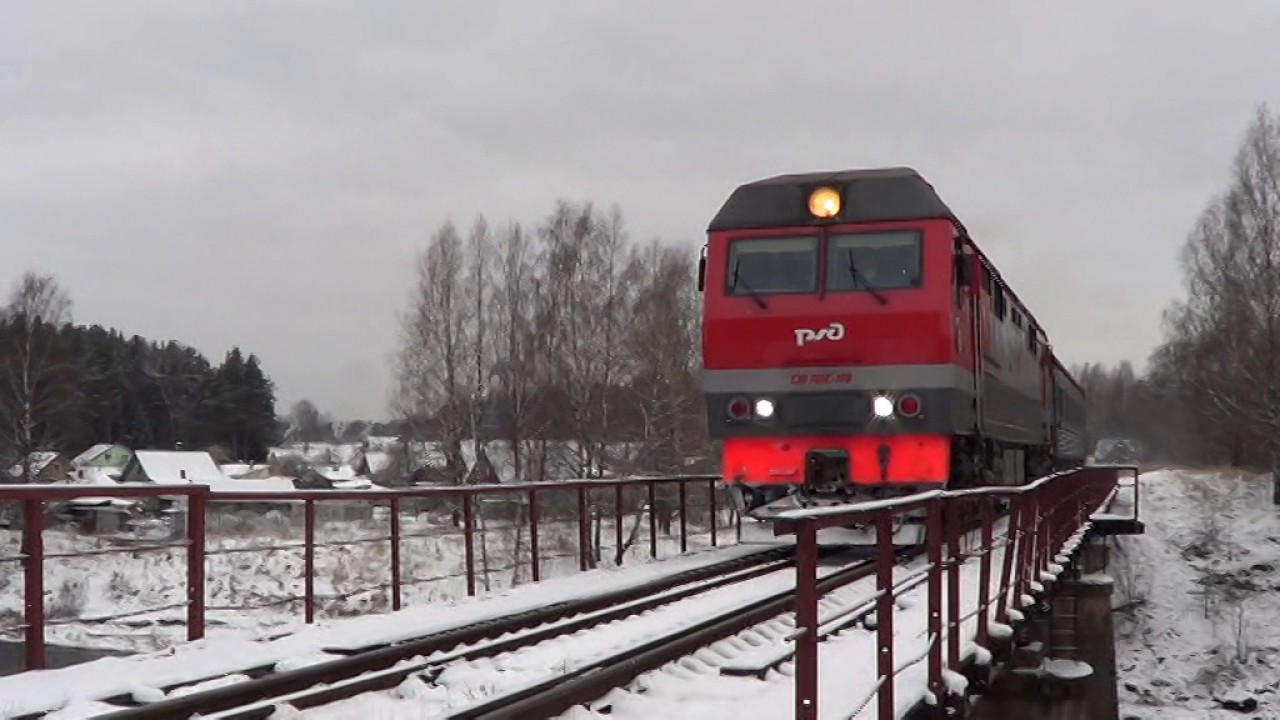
858	344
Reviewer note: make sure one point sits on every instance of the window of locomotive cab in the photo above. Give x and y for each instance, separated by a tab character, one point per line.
888	260
772	265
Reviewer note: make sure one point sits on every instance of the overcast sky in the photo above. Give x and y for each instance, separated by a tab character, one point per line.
261	174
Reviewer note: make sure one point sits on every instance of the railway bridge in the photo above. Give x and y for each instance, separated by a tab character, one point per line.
1003	612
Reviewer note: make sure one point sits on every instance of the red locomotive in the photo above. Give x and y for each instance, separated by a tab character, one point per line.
857	344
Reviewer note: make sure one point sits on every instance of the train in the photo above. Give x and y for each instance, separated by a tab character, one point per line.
857	344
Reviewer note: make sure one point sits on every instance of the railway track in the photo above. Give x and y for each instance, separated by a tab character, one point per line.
587	672
380	667
593	680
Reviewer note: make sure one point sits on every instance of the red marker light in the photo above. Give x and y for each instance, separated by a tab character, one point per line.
909	405
739	409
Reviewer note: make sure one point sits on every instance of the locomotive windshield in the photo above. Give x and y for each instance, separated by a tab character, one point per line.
860	261
773	265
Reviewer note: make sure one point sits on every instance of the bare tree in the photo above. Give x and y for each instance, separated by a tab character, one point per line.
517	367
479	293
579	316
307	424
663	330
431	367
1224	340
37	383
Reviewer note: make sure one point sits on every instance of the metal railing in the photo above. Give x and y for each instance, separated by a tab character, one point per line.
1045	521
532	510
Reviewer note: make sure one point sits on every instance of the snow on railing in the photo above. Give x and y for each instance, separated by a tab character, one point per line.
520	529
1015	557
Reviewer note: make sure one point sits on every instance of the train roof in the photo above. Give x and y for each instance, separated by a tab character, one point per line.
868	195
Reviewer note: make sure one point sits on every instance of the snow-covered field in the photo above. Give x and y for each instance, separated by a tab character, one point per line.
73	688
1197	601
253	589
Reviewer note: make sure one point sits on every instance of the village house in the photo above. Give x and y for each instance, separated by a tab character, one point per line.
103	455
46	467
101	464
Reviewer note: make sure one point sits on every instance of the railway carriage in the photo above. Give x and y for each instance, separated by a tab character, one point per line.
857	344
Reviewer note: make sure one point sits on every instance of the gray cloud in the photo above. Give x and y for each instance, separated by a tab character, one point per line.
262	174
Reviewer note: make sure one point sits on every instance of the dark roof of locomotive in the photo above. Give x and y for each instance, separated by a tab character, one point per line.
896	193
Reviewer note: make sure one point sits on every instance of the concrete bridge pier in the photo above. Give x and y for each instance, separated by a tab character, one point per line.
1061	665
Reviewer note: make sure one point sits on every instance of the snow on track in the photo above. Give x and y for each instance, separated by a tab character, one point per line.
43	690
695	687
469	682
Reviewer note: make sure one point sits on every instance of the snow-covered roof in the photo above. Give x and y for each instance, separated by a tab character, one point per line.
378	460
336	473
39	461
235	470
95	476
179	467
90	454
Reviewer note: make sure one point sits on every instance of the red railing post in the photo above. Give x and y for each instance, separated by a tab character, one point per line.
33	593
617	524
1049	522
534	566
885	562
395	553
309	560
584	532
684	529
469	548
933	543
653	520
984	570
196	506
954	560
1029	521
1013	541
711	512
806	621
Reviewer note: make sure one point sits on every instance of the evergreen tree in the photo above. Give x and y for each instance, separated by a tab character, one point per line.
93	385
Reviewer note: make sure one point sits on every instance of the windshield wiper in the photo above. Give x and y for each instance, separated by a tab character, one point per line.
745	286
857	277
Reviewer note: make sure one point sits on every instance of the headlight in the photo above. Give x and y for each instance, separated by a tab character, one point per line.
824	202
882	406
764	408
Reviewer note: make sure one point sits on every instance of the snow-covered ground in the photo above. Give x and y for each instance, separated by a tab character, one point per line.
1196	606
1196	599
256	590
73	688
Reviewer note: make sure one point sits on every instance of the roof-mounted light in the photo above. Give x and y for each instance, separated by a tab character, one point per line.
824	202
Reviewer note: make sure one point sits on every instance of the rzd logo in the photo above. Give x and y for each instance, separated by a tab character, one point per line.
834	331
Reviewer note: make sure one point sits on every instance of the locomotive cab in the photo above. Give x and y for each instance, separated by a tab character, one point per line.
830	341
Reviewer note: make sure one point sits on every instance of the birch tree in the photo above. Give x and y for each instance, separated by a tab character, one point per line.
518	370
37	380
431	366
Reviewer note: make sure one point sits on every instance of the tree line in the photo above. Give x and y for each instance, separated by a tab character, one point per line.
1211	391
66	387
567	330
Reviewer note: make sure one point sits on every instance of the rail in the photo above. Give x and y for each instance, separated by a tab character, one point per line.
532	511
1046	520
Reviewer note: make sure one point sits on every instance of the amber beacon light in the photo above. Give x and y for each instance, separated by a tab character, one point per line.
824	202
